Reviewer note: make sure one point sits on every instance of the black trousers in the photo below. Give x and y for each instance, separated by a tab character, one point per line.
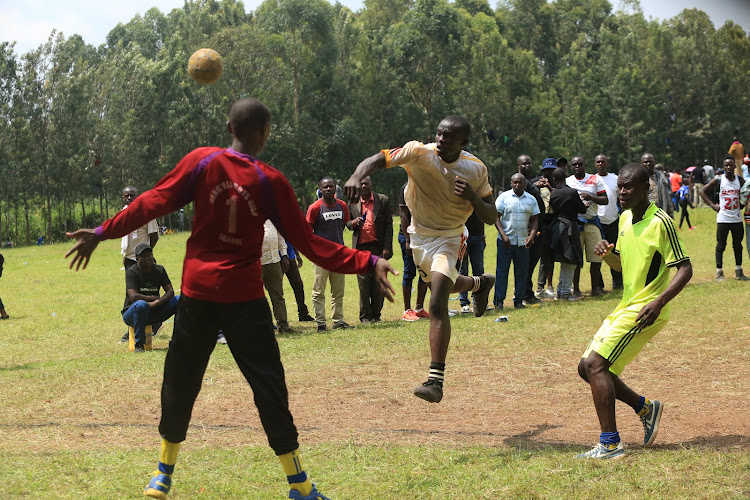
535	252
248	329
295	280
370	296
722	230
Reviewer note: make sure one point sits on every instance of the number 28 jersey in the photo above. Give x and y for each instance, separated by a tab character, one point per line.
729	200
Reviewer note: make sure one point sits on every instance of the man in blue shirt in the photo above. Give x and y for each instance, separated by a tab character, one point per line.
517	227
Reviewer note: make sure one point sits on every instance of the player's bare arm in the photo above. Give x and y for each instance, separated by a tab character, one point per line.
484	207
84	247
365	168
651	311
404	220
604	250
704	193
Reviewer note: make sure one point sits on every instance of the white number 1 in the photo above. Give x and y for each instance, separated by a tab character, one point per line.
232	202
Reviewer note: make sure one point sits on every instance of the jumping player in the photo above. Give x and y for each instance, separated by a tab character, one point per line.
445	185
646	248
234	193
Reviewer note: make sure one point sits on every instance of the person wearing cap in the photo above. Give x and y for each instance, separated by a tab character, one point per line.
545	183
143	304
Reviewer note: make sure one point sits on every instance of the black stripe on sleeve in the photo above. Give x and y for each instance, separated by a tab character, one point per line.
671	235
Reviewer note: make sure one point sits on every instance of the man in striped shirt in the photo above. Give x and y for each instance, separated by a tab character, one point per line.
646	249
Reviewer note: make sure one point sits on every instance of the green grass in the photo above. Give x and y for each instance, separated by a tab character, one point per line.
79	413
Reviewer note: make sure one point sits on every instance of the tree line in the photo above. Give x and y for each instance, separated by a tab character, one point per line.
548	79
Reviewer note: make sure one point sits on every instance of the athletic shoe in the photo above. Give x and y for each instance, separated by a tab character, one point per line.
519	306
287	329
306	317
410	315
452	312
220	339
138	349
549	293
431	391
125	338
314	495
322	328
343	326
530	301
481	296
159	486
650	422
720	275
422	313
740	276
465	309
602	451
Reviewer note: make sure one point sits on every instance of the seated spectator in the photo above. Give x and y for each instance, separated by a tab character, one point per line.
143	304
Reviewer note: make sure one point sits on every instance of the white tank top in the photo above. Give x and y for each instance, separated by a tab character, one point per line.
729	200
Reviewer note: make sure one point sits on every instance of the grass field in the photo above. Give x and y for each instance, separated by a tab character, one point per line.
79	413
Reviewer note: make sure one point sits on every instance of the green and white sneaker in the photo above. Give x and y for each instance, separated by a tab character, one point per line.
650	422
603	451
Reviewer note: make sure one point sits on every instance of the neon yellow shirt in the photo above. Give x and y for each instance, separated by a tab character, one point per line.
647	249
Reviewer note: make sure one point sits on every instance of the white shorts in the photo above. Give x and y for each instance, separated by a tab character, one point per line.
438	254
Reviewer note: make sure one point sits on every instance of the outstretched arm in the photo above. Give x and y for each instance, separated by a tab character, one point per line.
365	168
84	247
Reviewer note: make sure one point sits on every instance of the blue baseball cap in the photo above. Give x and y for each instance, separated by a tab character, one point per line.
549	163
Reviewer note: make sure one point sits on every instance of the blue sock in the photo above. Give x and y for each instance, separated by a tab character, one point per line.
640	404
609	437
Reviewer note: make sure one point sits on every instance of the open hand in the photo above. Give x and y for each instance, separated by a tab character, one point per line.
84	247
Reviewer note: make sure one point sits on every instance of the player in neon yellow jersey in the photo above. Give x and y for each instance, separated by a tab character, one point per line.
646	248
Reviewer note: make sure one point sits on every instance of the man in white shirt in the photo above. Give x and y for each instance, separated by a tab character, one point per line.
274	263
593	192
609	214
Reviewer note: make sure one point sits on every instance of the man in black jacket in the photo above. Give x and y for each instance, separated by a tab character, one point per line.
372	224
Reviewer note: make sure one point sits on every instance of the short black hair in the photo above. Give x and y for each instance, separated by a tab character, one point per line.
320	182
729	157
559	174
637	171
248	114
460	123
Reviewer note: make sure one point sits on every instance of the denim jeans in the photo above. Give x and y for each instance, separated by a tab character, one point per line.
520	258
475	253
565	285
139	314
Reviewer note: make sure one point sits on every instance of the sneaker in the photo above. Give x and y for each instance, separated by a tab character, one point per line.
539	293
720	275
220	339
487	281
287	329
365	321
431	391
549	293
570	297
314	495
306	317
343	326
125	338
422	313
740	276
650	422
138	348
158	486
452	312
465	309
530	301
322	328
519	306
410	315
604	451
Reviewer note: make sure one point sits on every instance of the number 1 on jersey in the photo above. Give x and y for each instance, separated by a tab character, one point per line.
232	202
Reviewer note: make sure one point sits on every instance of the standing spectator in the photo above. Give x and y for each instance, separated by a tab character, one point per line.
593	192
675	183
744	194
148	233
295	280
659	190
517	224
524	165
609	214
698	179
562	163
410	269
475	246
545	183
728	217
737	151
274	262
328	217
565	239
3	314
233	193
445	184
372	226
143	304
684	196
181	220
708	170
746	167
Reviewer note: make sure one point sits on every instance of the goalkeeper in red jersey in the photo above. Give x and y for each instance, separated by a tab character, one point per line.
234	193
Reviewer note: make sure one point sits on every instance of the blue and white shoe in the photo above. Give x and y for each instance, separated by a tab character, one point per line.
220	339
314	495
650	422
603	451
159	486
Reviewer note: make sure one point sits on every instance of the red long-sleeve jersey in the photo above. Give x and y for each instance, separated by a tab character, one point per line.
234	194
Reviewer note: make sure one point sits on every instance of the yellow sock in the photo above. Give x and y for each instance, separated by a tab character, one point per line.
295	473
646	407
168	456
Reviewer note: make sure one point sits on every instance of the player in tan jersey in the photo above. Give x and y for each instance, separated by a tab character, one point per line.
445	185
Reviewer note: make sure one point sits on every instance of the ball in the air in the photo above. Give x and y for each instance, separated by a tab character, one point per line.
205	66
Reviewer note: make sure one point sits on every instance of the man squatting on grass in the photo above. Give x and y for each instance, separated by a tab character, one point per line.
445	185
234	193
646	248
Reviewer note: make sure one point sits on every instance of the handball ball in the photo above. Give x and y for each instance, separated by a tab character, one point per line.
205	66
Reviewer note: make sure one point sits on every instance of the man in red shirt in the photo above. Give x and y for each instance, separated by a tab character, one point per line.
233	193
